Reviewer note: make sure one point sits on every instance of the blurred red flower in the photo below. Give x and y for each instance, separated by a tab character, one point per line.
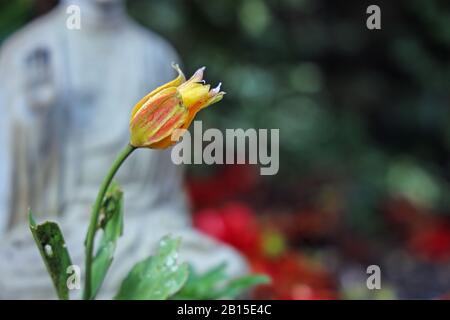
293	275
235	224
432	243
230	181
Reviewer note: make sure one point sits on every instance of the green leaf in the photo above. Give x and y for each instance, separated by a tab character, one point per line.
238	286
111	222
157	277
50	241
213	285
203	286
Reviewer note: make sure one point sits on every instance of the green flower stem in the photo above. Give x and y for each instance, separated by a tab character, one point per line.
94	218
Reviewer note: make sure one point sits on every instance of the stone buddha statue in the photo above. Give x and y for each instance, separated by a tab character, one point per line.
65	100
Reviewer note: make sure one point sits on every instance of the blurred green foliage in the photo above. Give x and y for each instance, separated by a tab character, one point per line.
13	14
370	108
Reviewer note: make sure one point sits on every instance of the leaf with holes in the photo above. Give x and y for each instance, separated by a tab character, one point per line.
50	241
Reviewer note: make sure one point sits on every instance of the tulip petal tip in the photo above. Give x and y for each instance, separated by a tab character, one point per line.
216	90
198	75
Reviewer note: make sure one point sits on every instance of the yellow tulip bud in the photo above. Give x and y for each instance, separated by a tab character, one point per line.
170	107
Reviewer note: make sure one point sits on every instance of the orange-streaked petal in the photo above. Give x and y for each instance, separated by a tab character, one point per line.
166	142
164	133
157	118
155	100
180	79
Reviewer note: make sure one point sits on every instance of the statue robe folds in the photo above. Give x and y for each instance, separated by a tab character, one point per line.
65	100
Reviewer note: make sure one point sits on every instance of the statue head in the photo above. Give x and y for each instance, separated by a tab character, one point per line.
99	12
99	4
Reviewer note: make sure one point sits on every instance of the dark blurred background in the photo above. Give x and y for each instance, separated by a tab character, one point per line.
364	119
